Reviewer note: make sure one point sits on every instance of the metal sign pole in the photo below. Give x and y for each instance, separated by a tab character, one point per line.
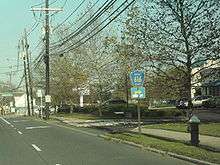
137	91
41	107
139	117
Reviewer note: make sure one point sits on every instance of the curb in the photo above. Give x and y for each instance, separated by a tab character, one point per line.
182	157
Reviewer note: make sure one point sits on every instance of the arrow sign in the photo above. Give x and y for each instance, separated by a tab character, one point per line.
138	93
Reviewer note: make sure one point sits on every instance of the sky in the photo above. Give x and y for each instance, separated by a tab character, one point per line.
16	16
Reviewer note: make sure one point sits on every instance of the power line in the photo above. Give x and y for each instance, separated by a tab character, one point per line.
98	13
77	8
81	17
81	43
33	28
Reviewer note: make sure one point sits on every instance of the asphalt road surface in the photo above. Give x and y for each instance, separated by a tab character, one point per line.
29	142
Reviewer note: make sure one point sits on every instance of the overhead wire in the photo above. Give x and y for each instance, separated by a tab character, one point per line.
81	17
74	11
98	13
79	41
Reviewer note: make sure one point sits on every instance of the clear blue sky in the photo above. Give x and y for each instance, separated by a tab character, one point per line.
15	16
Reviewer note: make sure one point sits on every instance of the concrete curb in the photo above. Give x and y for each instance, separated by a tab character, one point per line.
182	157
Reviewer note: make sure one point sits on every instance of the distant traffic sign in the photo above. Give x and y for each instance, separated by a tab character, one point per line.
138	92
137	78
39	93
48	99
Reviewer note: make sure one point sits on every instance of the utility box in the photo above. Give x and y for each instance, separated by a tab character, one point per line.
194	130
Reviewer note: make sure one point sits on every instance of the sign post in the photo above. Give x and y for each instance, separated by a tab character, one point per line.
138	91
40	94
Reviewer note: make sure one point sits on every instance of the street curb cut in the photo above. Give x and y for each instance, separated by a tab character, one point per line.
182	157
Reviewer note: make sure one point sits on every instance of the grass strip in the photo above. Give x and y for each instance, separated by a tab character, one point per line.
175	147
211	129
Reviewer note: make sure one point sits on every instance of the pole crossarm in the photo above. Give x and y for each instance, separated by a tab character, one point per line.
47	9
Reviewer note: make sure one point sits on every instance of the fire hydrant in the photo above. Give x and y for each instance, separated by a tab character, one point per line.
194	130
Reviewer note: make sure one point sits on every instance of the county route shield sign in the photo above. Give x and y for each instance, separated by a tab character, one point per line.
137	78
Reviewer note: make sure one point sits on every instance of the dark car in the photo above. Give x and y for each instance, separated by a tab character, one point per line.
64	108
212	102
182	103
118	106
115	101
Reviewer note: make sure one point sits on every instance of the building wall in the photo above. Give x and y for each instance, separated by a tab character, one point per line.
209	73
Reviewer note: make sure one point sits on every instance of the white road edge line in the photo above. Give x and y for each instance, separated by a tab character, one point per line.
20	132
36	147
5	121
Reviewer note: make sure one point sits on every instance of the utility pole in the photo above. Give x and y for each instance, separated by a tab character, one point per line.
25	75
28	70
47	53
46	57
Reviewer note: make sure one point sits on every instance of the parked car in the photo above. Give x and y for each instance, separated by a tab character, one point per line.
198	100
64	108
114	101
118	106
212	102
182	103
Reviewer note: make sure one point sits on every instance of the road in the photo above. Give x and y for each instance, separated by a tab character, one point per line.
24	141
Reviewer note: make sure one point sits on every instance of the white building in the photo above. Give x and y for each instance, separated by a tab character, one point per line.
206	80
21	104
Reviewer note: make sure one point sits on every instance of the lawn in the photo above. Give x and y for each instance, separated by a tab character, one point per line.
168	146
212	129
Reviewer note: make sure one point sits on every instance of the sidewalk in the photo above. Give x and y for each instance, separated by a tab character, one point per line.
205	141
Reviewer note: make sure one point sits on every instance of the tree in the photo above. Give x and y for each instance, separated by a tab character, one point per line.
163	88
176	34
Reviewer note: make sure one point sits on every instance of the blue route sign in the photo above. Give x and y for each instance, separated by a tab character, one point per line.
138	92
137	78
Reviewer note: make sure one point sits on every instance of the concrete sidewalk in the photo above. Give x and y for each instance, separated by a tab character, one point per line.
210	142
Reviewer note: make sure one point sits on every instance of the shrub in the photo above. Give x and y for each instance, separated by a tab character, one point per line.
163	113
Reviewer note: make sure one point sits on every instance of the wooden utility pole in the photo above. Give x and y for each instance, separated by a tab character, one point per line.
47	59
25	75
28	70
47	52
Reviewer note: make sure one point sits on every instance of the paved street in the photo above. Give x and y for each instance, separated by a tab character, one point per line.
27	142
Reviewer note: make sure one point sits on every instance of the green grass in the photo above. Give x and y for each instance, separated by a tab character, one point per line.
175	147
212	129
